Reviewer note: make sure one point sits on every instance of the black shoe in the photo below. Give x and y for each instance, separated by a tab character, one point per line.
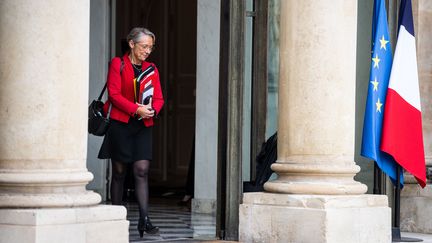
144	225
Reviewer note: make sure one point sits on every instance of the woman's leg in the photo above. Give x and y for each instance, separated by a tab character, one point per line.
140	170
117	181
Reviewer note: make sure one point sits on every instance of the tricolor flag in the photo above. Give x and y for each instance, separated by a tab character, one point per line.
402	127
381	62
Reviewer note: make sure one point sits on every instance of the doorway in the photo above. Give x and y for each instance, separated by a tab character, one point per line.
174	24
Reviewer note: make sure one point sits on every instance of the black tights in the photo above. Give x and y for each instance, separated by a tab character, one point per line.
140	171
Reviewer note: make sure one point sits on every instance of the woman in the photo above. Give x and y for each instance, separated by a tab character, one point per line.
129	137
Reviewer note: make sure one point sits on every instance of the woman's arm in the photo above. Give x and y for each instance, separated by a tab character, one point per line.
115	89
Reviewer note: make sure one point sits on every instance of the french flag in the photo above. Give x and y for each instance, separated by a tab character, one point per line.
402	135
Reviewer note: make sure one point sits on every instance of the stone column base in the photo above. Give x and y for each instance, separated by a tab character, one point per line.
269	217
416	209
102	223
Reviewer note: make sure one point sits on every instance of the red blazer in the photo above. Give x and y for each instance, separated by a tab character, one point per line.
121	91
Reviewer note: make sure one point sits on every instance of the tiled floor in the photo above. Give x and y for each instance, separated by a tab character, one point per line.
176	223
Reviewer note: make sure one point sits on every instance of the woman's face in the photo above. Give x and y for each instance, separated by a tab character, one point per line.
142	48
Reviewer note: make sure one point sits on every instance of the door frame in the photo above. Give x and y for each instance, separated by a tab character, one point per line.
231	82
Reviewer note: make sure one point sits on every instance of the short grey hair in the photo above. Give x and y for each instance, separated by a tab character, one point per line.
136	33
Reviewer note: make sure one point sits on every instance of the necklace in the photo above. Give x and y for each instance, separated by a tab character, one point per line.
133	65
138	69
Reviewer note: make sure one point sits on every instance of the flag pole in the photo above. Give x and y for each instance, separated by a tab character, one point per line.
377	189
396	234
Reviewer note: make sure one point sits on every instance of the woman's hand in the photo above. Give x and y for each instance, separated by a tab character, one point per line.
146	111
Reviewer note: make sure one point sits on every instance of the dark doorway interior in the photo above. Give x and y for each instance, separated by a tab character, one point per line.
174	24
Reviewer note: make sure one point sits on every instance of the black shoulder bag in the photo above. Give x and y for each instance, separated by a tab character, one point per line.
98	122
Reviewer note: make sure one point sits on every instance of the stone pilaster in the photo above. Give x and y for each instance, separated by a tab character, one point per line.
44	70
315	198
207	78
416	203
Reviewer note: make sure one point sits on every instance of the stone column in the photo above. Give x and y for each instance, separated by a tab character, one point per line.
416	203
315	198
44	70
317	99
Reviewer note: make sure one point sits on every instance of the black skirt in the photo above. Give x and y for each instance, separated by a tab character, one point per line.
127	142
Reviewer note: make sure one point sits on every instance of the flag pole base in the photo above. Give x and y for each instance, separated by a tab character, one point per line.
396	236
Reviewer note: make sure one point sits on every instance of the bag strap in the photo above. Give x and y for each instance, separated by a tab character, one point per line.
105	86
109	111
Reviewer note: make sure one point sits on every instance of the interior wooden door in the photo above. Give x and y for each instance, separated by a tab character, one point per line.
180	92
